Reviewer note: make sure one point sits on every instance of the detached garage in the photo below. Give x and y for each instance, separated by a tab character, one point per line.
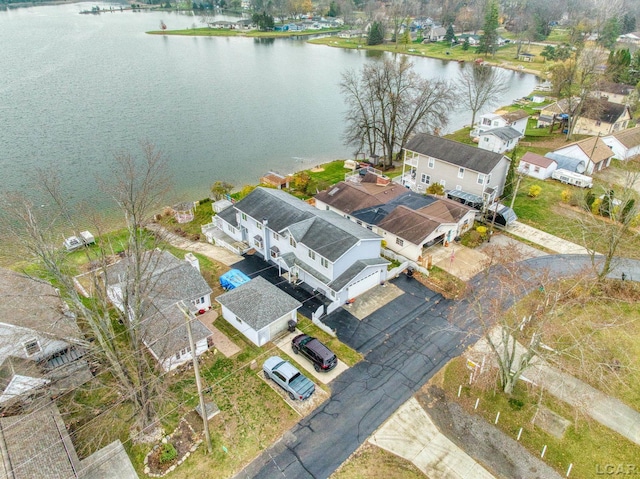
259	310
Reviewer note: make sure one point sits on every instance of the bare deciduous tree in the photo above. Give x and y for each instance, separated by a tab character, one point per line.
137	185
480	87
388	102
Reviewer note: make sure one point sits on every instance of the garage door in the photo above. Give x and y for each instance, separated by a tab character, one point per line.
278	326
364	284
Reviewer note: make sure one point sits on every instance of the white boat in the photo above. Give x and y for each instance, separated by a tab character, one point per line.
73	243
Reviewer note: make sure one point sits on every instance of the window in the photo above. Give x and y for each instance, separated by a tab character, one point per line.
326	207
537	169
359	222
244	217
399	242
276	236
312	254
486	121
460	172
292	242
526	166
489	178
481	178
258	225
426	179
178	355
431	163
443	183
32	347
324	262
231	229
486	138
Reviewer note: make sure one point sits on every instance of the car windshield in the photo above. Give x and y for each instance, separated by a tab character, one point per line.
294	377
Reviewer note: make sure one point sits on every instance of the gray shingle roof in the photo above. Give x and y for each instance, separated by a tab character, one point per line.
325	232
168	279
459	154
34	304
505	133
258	303
165	332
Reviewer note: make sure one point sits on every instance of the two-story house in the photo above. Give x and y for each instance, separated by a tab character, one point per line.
173	290
409	222
602	117
515	119
614	92
470	175
320	248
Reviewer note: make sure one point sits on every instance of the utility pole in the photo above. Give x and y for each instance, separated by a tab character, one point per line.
515	193
196	371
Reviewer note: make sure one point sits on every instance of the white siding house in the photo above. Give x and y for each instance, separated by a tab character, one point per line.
537	166
625	144
594	152
177	290
259	310
320	248
409	222
499	140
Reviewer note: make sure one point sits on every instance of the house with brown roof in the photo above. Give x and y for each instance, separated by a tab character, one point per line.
602	117
625	144
408	222
594	152
537	166
275	180
38	445
614	92
41	345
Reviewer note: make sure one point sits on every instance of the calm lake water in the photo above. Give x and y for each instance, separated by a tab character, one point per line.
75	89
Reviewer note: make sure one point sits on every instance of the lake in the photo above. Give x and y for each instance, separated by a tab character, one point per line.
75	89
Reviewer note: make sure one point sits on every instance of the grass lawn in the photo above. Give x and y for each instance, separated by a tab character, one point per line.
202	215
585	443
372	462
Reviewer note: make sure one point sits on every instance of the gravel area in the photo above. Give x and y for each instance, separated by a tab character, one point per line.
497	452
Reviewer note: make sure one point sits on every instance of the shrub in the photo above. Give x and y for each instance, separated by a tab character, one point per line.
168	453
595	206
534	191
566	196
436	189
301	180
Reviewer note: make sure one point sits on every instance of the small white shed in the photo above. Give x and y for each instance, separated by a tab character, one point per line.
537	166
259	310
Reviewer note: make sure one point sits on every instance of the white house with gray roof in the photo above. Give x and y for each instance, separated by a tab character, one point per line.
470	175
173	290
499	140
320	248
259	310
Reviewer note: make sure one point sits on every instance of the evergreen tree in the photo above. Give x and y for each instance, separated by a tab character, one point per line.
509	181
628	24
334	10
450	36
627	209
589	198
376	34
466	44
618	64
610	33
489	37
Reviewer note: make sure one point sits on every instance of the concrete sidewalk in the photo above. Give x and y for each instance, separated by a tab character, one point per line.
216	253
546	240
607	410
410	433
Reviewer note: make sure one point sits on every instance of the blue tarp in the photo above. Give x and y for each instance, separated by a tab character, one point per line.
233	278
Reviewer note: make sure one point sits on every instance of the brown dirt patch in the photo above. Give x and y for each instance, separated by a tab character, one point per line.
317	169
182	439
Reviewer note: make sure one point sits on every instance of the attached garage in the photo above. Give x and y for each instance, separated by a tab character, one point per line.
364	283
259	310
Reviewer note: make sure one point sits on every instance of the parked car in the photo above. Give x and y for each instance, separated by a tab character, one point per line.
322	357
285	375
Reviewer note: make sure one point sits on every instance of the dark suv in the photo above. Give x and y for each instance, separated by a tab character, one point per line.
321	356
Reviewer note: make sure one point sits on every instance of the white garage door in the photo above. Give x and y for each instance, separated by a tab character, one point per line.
364	284
278	326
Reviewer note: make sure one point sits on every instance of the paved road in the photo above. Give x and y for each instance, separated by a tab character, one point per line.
405	343
403	351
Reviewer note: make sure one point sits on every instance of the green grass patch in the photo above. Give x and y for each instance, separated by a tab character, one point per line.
462	135
585	443
347	355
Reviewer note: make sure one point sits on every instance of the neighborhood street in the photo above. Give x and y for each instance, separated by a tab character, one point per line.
405	343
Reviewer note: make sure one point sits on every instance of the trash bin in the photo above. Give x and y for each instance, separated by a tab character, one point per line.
292	326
